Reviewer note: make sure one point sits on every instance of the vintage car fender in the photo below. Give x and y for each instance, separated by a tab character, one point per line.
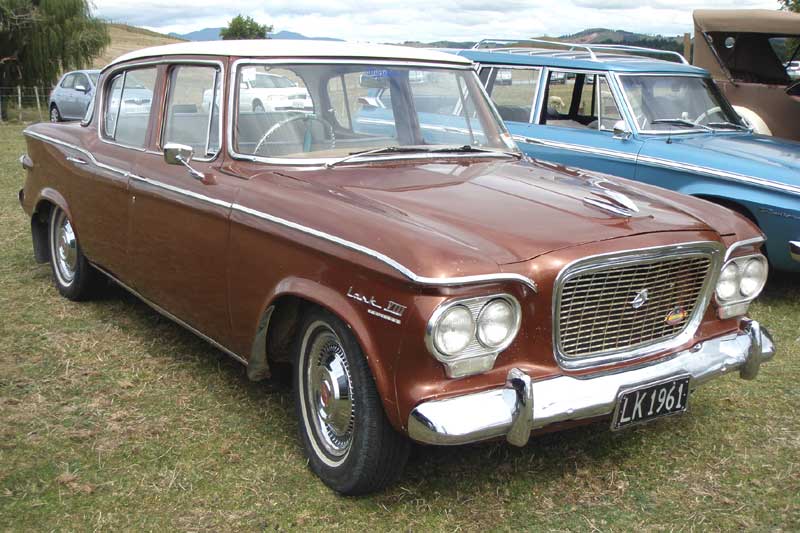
752	118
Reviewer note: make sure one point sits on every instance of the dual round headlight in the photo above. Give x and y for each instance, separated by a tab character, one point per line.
742	279
493	325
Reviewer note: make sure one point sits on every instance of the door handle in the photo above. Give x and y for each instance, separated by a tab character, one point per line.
76	160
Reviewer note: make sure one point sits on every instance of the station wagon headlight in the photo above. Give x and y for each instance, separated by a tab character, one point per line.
466	335
496	323
454	330
742	279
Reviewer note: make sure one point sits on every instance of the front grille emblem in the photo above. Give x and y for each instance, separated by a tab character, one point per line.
640	299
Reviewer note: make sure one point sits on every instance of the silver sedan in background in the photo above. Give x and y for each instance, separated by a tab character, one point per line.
70	98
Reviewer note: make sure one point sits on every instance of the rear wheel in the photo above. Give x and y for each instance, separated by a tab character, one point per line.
74	277
349	442
55	114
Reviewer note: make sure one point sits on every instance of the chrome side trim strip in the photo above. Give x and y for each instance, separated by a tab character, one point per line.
664	163
163	312
421	280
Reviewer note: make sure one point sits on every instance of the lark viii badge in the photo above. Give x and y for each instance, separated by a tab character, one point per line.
676	316
381	311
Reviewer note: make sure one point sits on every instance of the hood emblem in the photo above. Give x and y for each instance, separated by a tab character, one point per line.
676	316
640	299
612	201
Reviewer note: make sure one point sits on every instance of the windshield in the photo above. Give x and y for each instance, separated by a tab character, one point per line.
677	103
94	76
337	110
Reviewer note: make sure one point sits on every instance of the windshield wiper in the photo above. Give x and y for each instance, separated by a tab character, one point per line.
681	122
417	149
728	125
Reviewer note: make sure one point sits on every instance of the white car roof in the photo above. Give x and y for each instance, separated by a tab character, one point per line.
289	48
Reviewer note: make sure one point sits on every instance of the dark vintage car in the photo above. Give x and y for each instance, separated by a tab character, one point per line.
426	281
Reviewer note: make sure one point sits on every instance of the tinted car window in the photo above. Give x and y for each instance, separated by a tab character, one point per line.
127	106
68	82
192	112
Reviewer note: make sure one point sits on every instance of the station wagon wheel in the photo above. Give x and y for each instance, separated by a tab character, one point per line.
74	277
349	442
55	115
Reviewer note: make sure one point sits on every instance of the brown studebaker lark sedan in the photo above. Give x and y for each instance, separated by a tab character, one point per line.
369	220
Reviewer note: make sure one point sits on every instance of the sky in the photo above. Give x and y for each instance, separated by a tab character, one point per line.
421	20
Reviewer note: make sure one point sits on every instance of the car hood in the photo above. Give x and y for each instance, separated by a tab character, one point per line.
469	212
768	158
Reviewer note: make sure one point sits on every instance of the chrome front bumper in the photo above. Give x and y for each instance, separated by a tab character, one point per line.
524	405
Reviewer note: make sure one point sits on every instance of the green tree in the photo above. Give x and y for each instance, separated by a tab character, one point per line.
244	28
39	39
790	5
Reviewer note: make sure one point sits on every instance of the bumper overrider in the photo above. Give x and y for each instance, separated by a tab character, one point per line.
523	405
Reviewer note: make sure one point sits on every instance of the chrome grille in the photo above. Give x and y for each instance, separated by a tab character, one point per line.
596	314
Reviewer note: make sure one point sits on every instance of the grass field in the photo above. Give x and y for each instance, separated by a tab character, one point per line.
126	39
113	418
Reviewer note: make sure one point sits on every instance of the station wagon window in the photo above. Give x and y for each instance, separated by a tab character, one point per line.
193	109
334	110
513	91
581	101
128	99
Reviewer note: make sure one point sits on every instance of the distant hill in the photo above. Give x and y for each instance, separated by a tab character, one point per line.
212	34
126	39
606	36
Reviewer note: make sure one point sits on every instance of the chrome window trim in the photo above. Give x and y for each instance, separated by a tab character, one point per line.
219	78
714	250
320	162
408	273
113	69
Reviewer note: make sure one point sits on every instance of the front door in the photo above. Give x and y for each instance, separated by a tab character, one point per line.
571	120
180	224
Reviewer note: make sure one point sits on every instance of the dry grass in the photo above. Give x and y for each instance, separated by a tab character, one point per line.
126	39
112	418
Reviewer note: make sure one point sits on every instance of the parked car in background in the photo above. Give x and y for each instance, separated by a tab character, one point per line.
740	47
262	91
71	96
424	281
656	121
793	69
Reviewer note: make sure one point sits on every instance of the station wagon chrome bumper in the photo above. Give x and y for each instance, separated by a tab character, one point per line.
524	405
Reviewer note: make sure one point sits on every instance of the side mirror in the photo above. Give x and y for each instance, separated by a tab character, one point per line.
180	154
621	131
81	88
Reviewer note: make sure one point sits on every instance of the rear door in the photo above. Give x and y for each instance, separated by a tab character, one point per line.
180	224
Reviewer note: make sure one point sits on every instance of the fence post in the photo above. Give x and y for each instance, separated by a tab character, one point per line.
19	101
1	105
38	103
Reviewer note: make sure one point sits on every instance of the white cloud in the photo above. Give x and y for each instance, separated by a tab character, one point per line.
393	21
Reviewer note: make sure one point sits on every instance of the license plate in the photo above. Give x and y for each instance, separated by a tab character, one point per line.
651	401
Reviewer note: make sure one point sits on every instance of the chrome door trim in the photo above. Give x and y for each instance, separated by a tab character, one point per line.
577	148
421	280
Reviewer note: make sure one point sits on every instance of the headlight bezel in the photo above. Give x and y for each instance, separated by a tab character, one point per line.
476	357
738	304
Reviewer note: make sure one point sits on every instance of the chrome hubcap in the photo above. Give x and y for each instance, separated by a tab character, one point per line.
65	248
328	394
53	115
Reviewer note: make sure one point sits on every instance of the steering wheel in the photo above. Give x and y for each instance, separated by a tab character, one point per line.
707	113
307	118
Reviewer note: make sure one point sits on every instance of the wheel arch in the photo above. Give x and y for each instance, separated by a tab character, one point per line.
47	200
281	316
732	204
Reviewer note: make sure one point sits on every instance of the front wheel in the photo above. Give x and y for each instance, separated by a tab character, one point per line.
55	115
74	277
349	442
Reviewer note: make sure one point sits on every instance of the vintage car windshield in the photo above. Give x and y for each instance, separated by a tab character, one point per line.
332	111
678	103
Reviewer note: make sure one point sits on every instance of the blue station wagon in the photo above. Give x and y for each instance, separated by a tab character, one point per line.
617	110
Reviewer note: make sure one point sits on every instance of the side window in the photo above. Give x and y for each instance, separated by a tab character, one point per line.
68	82
580	100
81	81
128	99
513	91
193	109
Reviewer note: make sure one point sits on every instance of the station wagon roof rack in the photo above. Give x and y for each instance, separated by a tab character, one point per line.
570	48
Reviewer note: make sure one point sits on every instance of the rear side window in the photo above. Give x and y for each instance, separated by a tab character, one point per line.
513	92
128	98
193	109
